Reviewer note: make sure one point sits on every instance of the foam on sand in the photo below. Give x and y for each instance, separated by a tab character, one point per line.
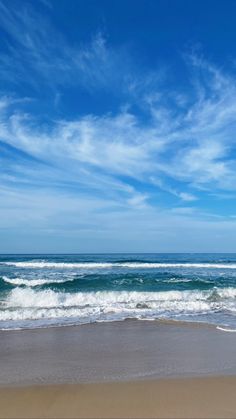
226	329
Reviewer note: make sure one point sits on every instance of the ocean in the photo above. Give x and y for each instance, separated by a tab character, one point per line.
58	290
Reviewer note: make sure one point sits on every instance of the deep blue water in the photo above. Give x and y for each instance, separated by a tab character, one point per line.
44	290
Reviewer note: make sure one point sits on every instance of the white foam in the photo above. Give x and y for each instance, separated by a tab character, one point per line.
177	280
25	297
226	292
34	282
26	303
226	329
131	265
149	265
59	265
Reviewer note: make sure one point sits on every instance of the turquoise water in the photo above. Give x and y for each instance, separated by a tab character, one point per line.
47	290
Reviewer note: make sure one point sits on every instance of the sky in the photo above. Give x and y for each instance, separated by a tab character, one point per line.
117	126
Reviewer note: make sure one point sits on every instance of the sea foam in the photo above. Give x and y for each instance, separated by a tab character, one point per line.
35	282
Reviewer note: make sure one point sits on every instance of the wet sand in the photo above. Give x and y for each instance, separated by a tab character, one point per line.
123	369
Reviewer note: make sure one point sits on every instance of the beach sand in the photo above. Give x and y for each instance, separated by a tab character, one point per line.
166	398
124	369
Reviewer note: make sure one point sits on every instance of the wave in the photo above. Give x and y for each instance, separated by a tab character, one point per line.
111	281
20	297
194	281
60	265
5	285
47	305
172	300
108	265
35	282
26	304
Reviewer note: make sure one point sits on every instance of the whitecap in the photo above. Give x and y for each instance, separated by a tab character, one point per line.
129	265
34	282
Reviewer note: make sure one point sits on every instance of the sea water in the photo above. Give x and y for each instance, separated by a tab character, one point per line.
56	290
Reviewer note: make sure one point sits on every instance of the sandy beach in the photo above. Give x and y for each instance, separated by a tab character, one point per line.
122	369
166	398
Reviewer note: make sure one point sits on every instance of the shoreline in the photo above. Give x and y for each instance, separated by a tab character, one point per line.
191	323
166	321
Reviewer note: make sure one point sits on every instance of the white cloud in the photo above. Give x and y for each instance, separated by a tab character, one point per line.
49	221
193	151
185	196
138	201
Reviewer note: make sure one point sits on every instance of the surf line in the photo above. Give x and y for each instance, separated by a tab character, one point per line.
225	329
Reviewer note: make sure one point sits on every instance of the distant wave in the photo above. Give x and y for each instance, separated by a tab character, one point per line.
108	281
86	265
129	265
197	281
35	282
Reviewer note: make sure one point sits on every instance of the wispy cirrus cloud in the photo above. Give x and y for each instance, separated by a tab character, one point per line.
37	54
185	146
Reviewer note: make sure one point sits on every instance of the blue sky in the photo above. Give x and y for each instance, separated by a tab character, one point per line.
117	126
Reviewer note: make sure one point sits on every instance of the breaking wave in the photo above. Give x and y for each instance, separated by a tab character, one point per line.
28	304
131	265
35	282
